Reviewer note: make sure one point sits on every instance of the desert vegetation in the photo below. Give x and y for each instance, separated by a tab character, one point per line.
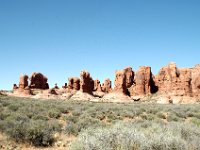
120	126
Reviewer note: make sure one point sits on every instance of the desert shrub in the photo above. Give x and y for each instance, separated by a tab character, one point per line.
172	117
40	133
161	115
144	116
40	117
197	115
85	123
15	106
37	132
4	113
190	114
71	118
71	129
139	136
150	117
54	113
195	121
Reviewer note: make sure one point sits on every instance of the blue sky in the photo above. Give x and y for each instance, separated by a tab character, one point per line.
62	37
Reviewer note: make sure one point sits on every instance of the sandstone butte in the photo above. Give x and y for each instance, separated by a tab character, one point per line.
170	85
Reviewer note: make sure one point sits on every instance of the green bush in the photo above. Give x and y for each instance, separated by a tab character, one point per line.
54	113
37	132
40	133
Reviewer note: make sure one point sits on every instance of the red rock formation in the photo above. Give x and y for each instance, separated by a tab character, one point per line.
65	86
74	83
144	83
107	86
120	82
27	91
183	83
15	87
56	86
86	83
23	81
97	86
173	81
39	81
170	81
52	91
195	82
129	74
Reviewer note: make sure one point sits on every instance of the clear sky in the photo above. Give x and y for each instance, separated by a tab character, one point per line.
62	37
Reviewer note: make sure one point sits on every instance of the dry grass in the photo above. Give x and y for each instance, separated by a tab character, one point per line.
69	119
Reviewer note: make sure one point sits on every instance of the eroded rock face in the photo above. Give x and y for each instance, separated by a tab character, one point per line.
169	82
39	81
107	86
23	82
195	82
129	75
173	81
86	83
144	83
120	82
27	91
74	83
97	86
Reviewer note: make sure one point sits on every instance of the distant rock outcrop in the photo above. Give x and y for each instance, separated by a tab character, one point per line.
107	86
86	83
143	82
15	87
97	86
39	81
74	83
195	82
129	75
172	85
120	82
173	81
23	82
